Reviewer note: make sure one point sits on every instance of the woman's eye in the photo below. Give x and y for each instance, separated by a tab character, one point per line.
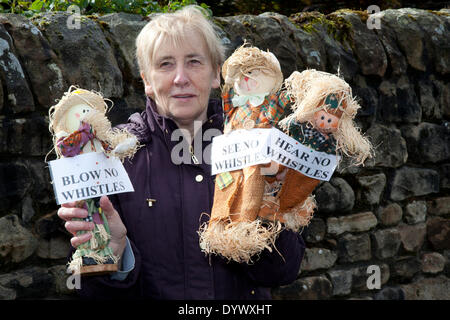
195	62
165	64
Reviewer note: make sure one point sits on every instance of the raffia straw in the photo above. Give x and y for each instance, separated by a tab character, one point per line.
238	241
301	215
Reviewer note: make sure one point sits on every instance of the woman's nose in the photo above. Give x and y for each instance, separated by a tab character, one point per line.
181	77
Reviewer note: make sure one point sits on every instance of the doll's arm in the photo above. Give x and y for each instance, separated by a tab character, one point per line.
277	103
227	105
72	144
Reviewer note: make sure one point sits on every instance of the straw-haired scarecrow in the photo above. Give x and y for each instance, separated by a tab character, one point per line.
79	125
251	99
323	112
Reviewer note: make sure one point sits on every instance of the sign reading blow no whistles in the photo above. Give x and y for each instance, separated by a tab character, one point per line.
87	176
243	148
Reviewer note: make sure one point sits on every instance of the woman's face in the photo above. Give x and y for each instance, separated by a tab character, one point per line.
180	78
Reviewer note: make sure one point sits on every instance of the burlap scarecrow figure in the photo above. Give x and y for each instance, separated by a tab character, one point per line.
79	125
322	119
251	99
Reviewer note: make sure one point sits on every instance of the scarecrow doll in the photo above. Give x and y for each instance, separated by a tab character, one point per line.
251	99
322	119
79	125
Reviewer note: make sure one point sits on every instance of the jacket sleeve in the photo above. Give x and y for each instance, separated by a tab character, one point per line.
281	266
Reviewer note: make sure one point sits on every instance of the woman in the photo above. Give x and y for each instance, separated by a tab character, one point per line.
154	229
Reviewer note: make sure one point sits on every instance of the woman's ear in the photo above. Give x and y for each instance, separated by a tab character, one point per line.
148	87
216	79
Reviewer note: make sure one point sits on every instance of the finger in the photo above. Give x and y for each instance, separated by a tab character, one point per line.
107	206
70	213
69	205
78	240
74	226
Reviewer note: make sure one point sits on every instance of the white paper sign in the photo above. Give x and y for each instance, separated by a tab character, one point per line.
242	148
87	176
293	154
239	149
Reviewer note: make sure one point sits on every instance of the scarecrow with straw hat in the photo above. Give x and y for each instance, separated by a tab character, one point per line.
79	125
322	119
251	98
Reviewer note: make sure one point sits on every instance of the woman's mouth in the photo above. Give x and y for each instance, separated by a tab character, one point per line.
183	96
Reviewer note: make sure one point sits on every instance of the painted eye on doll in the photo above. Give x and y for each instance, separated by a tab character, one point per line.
322	118
329	120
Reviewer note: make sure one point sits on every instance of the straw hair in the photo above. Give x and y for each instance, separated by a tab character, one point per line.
244	60
307	91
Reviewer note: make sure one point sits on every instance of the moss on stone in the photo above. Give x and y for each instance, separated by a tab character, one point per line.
439	13
336	26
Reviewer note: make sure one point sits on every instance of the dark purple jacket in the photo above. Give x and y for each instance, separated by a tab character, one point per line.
169	262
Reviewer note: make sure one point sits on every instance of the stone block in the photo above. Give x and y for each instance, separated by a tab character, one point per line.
308	288
390	215
318	258
406	267
335	196
30	282
95	66
352	223
386	243
437	288
354	248
438	233
416	212
371	188
427	142
433	262
16	242
410	182
412	236
439	206
390	147
315	231
341	281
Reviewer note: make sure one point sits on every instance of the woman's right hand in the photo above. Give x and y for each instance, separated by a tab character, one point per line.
69	211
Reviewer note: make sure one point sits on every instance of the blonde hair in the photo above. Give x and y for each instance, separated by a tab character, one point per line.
308	90
244	60
175	26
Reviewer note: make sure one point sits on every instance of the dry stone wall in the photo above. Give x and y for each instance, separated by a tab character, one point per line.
392	214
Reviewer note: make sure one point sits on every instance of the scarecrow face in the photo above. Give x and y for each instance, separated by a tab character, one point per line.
75	115
254	82
325	122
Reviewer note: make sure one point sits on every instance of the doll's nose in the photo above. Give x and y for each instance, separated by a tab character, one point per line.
321	125
246	78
